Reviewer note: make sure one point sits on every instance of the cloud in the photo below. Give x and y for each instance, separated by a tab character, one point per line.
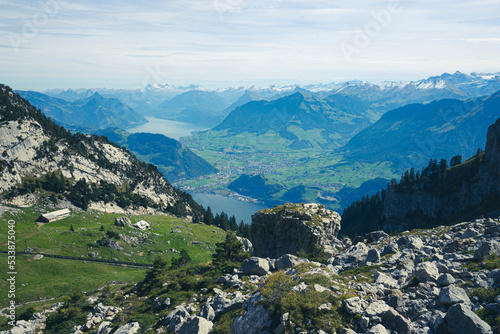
102	43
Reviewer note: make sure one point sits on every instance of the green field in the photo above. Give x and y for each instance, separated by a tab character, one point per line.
320	170
50	278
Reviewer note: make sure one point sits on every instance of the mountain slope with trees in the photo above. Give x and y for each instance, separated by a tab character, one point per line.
440	194
42	159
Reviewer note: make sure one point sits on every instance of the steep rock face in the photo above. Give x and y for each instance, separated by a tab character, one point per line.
286	229
33	146
481	183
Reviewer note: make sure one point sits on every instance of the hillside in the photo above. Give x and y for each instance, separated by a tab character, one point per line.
174	160
299	119
437	195
93	112
413	134
43	160
441	280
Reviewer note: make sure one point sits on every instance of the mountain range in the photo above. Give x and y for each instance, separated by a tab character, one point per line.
174	160
92	112
43	161
413	134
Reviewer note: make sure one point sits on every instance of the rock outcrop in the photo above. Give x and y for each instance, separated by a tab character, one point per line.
286	229
32	146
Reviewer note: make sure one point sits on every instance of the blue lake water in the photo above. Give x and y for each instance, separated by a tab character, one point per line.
233	207
172	129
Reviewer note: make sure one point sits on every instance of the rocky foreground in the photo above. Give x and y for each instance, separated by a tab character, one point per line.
424	281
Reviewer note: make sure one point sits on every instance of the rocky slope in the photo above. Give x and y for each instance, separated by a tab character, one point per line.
289	228
470	189
443	280
33	146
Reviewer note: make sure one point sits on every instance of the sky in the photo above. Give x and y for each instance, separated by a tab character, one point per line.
219	43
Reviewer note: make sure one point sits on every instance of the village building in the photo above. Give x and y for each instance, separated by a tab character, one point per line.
55	215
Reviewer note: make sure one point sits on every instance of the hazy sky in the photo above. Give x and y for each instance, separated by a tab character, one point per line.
217	43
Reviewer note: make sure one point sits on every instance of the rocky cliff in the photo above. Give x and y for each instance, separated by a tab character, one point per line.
288	228
32	147
473	185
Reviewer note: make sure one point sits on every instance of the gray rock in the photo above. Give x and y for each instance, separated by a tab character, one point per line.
494	275
458	245
301	287
157	304
130	328
247	244
355	305
426	271
461	320
487	249
111	244
253	321
347	331
396	321
387	281
175	319
288	261
373	255
437	323
222	304
325	307
230	280
196	325
255	266
452	295
376	308
410	241
390	248
288	228
104	327
353	254
320	288
376	236
469	233
123	221
445	279
207	312
378	329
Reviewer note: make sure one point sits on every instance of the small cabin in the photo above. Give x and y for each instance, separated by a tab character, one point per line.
55	215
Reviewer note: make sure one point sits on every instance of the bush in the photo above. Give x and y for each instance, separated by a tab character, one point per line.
229	254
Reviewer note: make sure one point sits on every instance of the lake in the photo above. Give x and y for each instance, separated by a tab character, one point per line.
233	207
171	129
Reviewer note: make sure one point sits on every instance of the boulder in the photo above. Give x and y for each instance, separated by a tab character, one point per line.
378	329
445	279
207	312
354	254
142	225
385	280
130	328
461	320
396	321
487	249
426	271
175	319
410	241
255	266
376	236
288	228
196	325
458	245
123	221
373	255
288	261
111	244
355	305
247	244
253	321
453	295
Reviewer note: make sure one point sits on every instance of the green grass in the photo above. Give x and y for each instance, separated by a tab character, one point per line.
51	277
317	168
